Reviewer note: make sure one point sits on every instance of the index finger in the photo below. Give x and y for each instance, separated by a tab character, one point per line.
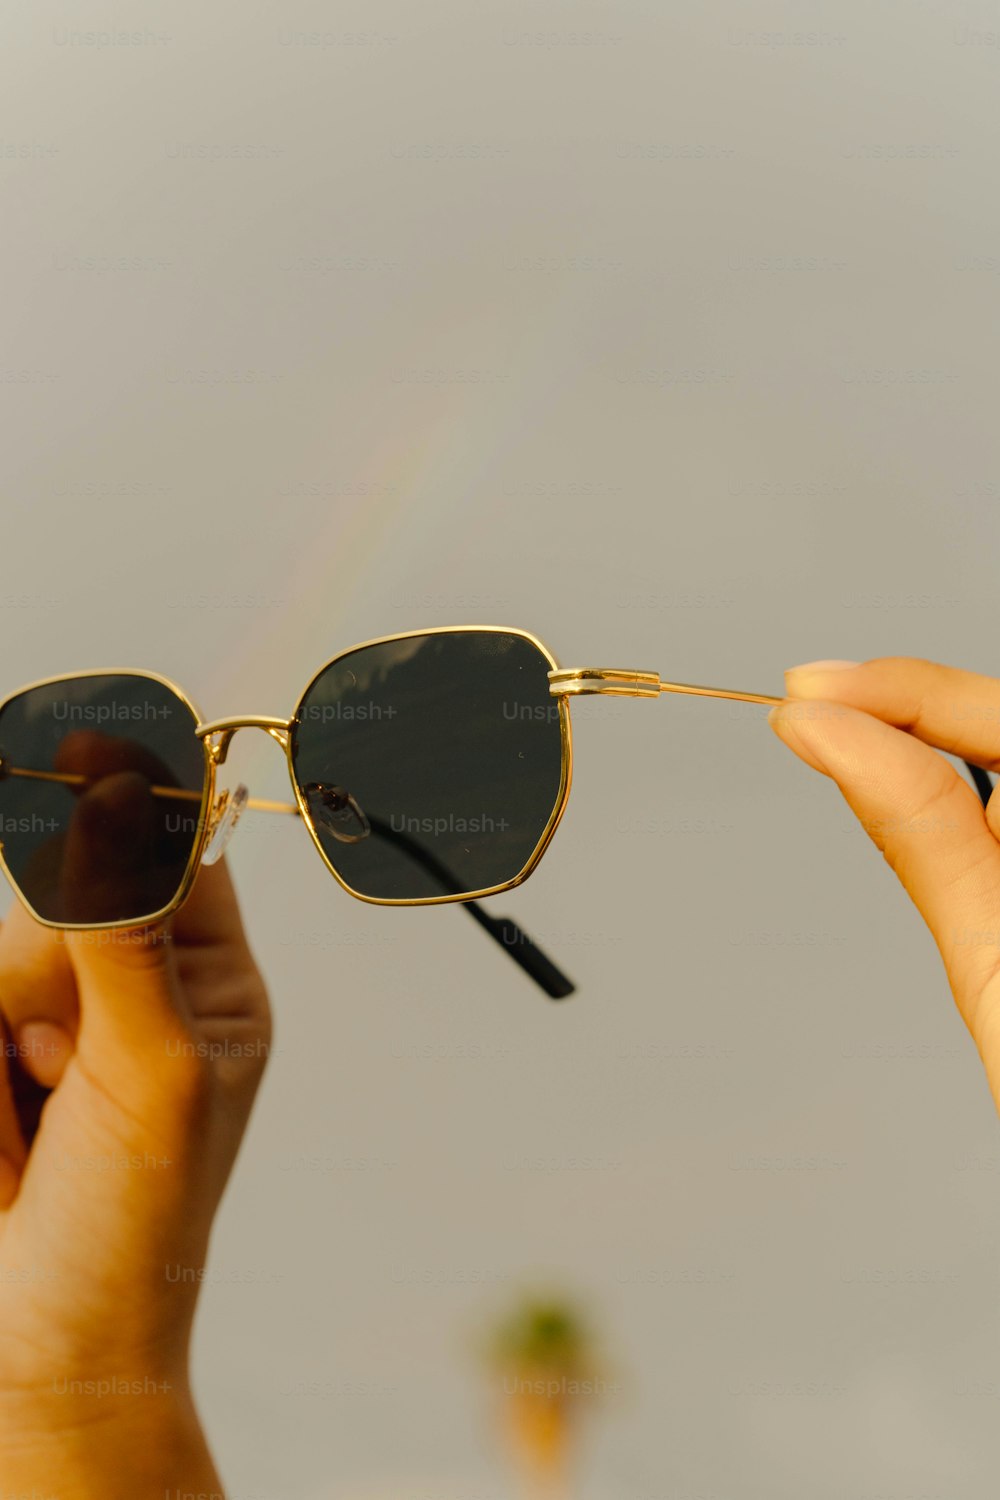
957	711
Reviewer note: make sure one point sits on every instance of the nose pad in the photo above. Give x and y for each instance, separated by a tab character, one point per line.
225	816
335	811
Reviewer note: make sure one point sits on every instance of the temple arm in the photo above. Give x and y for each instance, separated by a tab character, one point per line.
620	682
502	930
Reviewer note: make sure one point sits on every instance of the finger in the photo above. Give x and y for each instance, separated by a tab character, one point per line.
109	858
37	996
224	991
930	826
133	1022
29	1097
955	710
12	1147
143	990
126	987
211	915
88	752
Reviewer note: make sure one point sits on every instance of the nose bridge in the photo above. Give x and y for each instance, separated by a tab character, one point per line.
219	732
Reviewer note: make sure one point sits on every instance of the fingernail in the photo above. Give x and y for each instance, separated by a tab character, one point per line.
824	666
43	1050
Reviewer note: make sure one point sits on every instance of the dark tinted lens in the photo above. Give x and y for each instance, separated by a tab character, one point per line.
432	764
99	846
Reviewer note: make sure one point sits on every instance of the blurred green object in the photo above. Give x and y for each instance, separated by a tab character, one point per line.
544	1352
547	1334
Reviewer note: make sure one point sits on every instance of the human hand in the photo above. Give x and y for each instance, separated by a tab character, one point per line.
152	1042
873	728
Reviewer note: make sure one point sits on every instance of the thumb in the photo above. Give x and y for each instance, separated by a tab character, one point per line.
133	1020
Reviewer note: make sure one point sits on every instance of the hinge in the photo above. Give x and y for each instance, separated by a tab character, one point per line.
617	681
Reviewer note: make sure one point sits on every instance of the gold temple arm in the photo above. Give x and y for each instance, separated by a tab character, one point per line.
622	683
67	778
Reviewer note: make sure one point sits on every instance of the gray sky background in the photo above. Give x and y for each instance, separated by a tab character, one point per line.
676	346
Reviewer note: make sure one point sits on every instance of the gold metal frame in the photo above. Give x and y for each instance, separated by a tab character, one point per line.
206	802
562	796
217	734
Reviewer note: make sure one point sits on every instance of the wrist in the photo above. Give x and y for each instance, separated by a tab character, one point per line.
105	1439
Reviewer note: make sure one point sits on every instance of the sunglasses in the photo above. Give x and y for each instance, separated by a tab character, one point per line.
428	767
